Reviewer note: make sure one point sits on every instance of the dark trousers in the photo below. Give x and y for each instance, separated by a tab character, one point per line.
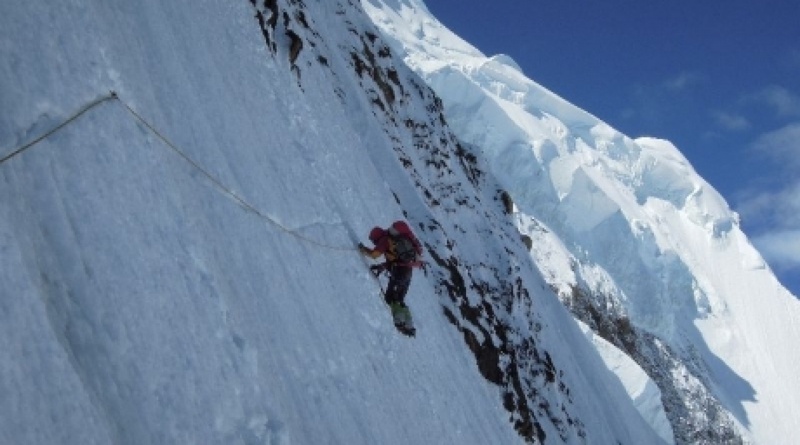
399	280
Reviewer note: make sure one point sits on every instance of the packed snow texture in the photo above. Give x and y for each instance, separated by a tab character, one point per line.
141	305
635	208
642	389
196	281
153	298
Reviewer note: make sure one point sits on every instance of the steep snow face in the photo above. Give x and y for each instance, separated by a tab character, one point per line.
191	277
685	275
140	304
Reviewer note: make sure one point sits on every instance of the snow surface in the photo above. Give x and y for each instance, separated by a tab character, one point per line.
634	208
142	304
641	388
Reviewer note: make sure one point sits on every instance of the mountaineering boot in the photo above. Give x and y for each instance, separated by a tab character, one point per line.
402	318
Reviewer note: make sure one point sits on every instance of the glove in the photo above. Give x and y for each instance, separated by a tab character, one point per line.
362	248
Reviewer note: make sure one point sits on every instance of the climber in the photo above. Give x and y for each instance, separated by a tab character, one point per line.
401	251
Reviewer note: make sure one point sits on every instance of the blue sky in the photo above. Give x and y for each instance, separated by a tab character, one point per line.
721	80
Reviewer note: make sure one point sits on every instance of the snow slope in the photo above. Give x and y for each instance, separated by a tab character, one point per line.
190	276
677	262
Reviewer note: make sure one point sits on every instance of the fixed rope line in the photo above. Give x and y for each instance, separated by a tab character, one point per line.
246	205
216	182
77	114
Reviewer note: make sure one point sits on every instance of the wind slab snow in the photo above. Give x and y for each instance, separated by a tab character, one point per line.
149	297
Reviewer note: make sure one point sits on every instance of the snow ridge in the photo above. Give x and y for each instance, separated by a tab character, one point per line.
681	275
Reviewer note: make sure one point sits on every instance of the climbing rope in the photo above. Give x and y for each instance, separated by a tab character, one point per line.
68	121
216	182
